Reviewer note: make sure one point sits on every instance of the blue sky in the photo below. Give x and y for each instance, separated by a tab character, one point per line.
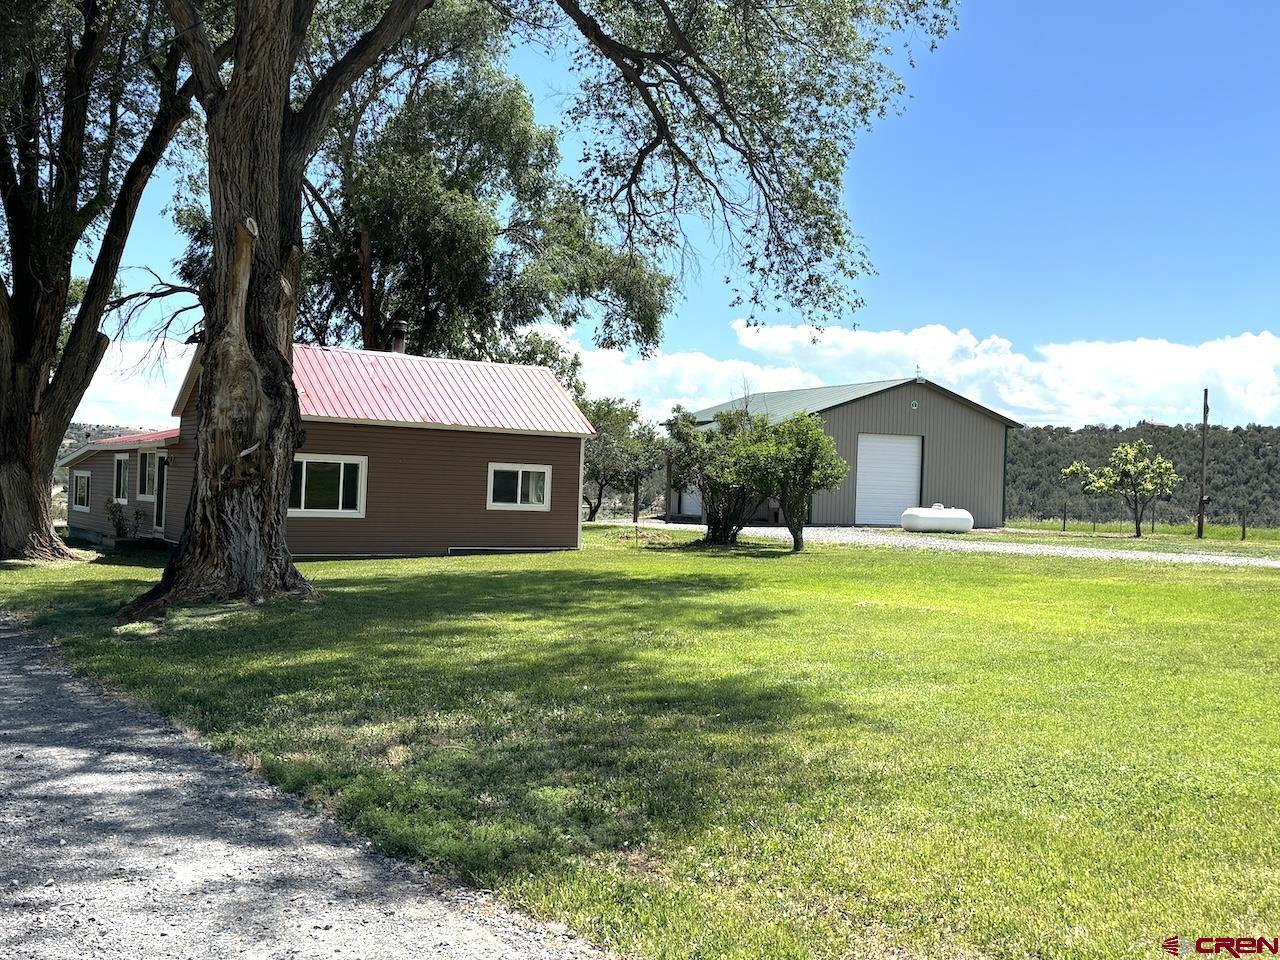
1076	219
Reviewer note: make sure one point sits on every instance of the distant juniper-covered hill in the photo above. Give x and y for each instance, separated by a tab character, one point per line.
1243	474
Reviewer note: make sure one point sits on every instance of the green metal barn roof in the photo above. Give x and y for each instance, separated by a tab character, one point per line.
779	404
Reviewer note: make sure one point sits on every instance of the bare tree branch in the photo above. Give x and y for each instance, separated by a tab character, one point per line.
310	119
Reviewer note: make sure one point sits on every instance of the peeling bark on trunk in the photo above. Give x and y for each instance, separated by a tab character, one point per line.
247	418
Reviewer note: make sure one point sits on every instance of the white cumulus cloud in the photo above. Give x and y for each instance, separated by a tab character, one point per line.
1071	382
136	384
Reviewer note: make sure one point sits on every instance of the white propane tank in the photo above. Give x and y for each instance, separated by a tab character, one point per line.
937	519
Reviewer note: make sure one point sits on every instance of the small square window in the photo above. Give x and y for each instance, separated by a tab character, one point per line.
519	486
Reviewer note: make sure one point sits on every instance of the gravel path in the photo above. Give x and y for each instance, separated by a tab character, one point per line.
121	838
872	537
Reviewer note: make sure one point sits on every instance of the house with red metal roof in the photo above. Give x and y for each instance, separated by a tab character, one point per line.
403	455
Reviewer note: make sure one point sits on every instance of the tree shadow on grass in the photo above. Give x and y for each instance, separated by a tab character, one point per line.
488	723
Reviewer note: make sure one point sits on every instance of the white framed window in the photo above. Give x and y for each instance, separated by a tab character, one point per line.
120	491
519	486
328	485
146	474
80	490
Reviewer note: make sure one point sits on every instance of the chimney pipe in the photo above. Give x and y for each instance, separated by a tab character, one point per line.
398	331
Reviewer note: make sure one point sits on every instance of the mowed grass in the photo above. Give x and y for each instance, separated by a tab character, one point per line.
698	753
1118	535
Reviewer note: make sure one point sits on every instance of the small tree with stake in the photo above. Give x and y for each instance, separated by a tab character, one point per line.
799	459
640	455
1134	472
604	456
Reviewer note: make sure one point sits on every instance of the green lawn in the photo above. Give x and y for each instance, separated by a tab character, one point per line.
1262	542
689	753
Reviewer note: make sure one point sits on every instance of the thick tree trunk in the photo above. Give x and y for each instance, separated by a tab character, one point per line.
635	502
26	509
247	421
28	450
41	384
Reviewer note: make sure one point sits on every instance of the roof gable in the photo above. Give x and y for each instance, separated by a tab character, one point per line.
779	404
395	389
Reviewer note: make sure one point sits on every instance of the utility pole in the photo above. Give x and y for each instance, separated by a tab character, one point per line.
1204	464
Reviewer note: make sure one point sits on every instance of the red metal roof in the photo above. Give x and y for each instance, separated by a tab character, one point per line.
153	436
158	437
336	383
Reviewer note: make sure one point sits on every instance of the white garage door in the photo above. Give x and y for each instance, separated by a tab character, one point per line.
888	477
690	503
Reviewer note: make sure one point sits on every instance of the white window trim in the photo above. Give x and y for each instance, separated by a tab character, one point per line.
160	455
115	473
88	476
146	497
358	513
540	507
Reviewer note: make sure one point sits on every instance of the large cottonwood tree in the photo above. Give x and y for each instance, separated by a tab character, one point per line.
91	95
740	112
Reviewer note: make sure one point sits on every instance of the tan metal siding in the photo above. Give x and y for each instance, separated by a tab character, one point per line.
963	451
426	490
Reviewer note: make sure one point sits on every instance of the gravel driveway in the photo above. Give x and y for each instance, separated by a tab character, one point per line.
120	837
872	537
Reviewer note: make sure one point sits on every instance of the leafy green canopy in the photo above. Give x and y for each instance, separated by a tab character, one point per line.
1134	472
723	462
436	201
604	456
741	461
742	114
799	459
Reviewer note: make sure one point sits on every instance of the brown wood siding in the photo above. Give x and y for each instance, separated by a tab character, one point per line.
426	490
963	451
101	467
